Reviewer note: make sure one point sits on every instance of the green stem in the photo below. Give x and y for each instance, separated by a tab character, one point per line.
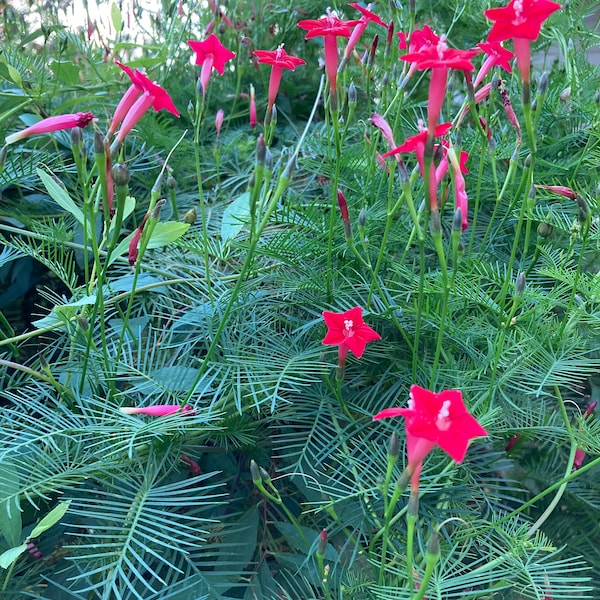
284	180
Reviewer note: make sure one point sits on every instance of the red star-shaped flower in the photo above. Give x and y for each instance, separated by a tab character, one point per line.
519	19
210	53
348	331
278	59
160	97
497	55
431	55
330	27
436	419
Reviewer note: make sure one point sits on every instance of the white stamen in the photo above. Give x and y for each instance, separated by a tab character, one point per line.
442	421
348	324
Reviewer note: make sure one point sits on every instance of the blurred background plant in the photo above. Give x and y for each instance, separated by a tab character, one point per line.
229	321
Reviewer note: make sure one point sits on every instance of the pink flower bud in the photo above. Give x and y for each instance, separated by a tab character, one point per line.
158	410
219	121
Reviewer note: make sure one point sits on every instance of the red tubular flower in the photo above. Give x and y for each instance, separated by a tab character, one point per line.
521	21
278	59
153	96
561	190
348	331
330	27
418	39
416	144
157	410
134	91
58	123
497	55
210	54
460	193
252	107
366	18
439	58
434	420
383	126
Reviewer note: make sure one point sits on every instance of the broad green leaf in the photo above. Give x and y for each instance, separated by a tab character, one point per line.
167	232
15	75
10	511
53	517
116	17
61	197
66	71
127	210
9	556
63	312
163	234
235	216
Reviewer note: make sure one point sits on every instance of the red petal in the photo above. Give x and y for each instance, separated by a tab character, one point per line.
392	412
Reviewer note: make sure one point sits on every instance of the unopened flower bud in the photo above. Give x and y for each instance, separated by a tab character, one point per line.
157	207
261	150
190	216
590	409
76	136
362	218
457	221
199	88
274	115
43	362
190	109
322	545
433	545
219	121
584	209
99	147
289	168
120	174
352	94
268	160
171	182
565	94
255	472
543	84
412	510
389	39
392	448
435	225
520	284
264	474
343	205
544	229
372	50
3	157
527	161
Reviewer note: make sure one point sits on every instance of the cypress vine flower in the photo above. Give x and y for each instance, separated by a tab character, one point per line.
58	123
278	59
210	54
521	21
329	27
348	331
434	420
